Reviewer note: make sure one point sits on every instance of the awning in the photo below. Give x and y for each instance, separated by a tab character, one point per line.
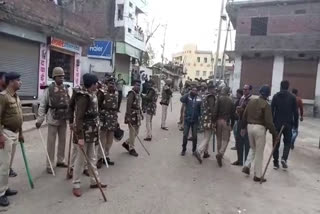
124	48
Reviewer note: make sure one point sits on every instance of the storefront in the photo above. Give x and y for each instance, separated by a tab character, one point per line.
66	55
22	56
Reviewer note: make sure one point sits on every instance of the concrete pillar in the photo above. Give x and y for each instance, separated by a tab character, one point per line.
277	74
317	94
236	75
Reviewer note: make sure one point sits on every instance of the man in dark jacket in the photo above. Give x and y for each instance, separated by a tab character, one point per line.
285	113
191	119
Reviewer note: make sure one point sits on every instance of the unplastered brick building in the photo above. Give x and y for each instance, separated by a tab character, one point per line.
278	40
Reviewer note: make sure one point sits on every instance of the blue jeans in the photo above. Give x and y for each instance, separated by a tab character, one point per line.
295	133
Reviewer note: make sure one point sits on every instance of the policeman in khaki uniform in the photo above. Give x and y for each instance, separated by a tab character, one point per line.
165	101
257	118
185	90
86	131
108	108
54	105
223	116
150	107
133	117
10	131
208	103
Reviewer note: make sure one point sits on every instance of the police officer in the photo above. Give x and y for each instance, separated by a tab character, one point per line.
150	100
86	131
133	117
257	118
185	90
223	116
11	132
165	101
108	108
54	105
208	103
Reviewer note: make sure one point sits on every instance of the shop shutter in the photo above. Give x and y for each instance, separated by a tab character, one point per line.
21	56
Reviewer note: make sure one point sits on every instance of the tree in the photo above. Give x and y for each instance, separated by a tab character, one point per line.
148	56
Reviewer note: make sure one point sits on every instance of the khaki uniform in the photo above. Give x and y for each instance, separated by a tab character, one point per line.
150	109
165	101
208	104
258	118
133	117
54	105
223	115
108	108
11	126
86	128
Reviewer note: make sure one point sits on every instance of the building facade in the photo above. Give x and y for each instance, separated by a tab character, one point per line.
198	64
278	40
36	36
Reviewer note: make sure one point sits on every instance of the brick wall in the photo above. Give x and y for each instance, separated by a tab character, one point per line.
46	17
288	28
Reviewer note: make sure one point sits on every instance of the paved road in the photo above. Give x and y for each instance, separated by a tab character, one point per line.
167	183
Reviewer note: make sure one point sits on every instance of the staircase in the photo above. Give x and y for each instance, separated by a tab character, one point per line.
29	110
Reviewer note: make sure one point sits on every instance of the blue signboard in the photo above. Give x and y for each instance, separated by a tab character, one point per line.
100	50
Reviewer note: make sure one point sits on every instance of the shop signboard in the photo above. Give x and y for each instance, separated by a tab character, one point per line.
43	65
77	71
65	45
101	50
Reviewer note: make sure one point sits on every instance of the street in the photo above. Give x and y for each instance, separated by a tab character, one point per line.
166	183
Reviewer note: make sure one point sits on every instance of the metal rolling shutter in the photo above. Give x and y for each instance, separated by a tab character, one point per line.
21	56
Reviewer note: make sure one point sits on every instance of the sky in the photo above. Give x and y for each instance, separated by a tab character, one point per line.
189	21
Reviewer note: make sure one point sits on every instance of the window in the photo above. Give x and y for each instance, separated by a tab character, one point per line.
211	73
129	30
204	73
120	11
219	60
259	26
197	73
130	4
130	16
198	59
205	60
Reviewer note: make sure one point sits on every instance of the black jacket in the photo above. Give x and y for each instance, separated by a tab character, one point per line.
284	109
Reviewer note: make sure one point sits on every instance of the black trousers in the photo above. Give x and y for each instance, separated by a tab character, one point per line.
243	147
194	128
119	99
287	137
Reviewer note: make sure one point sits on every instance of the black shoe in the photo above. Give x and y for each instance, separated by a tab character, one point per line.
165	128
276	165
86	173
10	192
126	146
12	173
62	165
181	129
4	202
49	171
256	179
246	170
219	159
237	163
147	139
133	153
198	156
292	147
206	155
100	163
110	163
284	164
234	148
183	153
190	139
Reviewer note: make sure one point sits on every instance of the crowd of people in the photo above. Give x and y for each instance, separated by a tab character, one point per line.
92	115
212	108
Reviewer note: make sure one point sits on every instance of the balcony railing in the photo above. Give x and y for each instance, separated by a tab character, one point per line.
139	33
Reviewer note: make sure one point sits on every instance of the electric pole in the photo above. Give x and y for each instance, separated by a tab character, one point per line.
218	43
224	50
164	43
